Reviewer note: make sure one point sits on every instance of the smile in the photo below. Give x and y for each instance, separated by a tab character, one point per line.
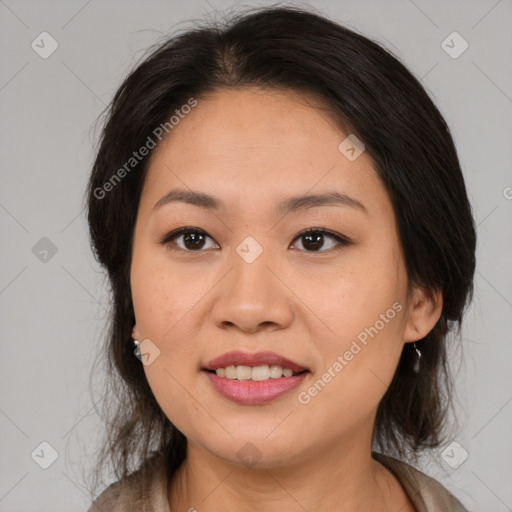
250	391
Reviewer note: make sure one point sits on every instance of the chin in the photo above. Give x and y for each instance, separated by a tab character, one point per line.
254	452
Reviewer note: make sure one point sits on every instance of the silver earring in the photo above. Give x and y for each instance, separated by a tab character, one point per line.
416	367
136	351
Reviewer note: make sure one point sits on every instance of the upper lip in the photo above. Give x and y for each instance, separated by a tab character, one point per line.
237	358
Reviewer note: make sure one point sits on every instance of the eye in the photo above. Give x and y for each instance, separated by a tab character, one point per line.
193	239
314	238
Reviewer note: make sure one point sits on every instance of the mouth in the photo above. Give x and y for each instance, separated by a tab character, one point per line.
252	379
255	373
259	361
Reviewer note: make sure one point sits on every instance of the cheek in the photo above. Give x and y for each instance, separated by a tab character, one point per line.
164	299
365	318
159	297
171	391
357	369
354	296
163	312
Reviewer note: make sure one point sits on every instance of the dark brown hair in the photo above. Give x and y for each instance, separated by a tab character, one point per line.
375	97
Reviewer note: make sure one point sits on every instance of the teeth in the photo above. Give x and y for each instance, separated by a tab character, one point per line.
257	373
243	372
276	371
260	373
231	372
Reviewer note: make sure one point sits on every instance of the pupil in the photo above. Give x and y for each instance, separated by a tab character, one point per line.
314	241
193	238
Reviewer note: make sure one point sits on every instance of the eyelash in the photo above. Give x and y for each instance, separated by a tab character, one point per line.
342	241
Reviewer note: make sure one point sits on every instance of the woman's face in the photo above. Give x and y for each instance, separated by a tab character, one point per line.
243	278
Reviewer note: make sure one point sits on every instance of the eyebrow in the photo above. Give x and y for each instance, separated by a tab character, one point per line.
292	204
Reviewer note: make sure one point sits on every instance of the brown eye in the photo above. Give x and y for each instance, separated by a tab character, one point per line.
188	239
313	239
192	239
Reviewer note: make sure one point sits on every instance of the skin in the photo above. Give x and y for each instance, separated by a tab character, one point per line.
253	148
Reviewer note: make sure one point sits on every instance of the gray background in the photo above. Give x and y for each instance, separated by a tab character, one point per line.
54	305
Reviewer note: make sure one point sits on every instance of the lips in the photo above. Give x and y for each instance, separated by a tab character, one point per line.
237	358
249	392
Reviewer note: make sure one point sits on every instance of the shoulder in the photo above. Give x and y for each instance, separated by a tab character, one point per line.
141	491
427	494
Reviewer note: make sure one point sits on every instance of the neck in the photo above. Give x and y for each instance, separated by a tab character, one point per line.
344	480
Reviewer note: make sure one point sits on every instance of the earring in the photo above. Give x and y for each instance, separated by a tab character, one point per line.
137	351
416	367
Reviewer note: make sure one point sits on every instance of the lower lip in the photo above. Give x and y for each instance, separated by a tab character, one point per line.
250	392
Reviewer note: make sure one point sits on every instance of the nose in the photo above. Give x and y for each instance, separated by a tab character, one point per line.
254	296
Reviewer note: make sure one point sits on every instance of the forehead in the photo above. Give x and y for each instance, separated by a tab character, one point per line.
267	144
246	119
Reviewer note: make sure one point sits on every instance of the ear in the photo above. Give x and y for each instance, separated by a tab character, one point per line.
135	333
424	310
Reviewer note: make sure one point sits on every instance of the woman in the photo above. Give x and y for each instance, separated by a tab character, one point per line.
282	215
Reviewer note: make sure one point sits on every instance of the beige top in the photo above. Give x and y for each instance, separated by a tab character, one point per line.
427	494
